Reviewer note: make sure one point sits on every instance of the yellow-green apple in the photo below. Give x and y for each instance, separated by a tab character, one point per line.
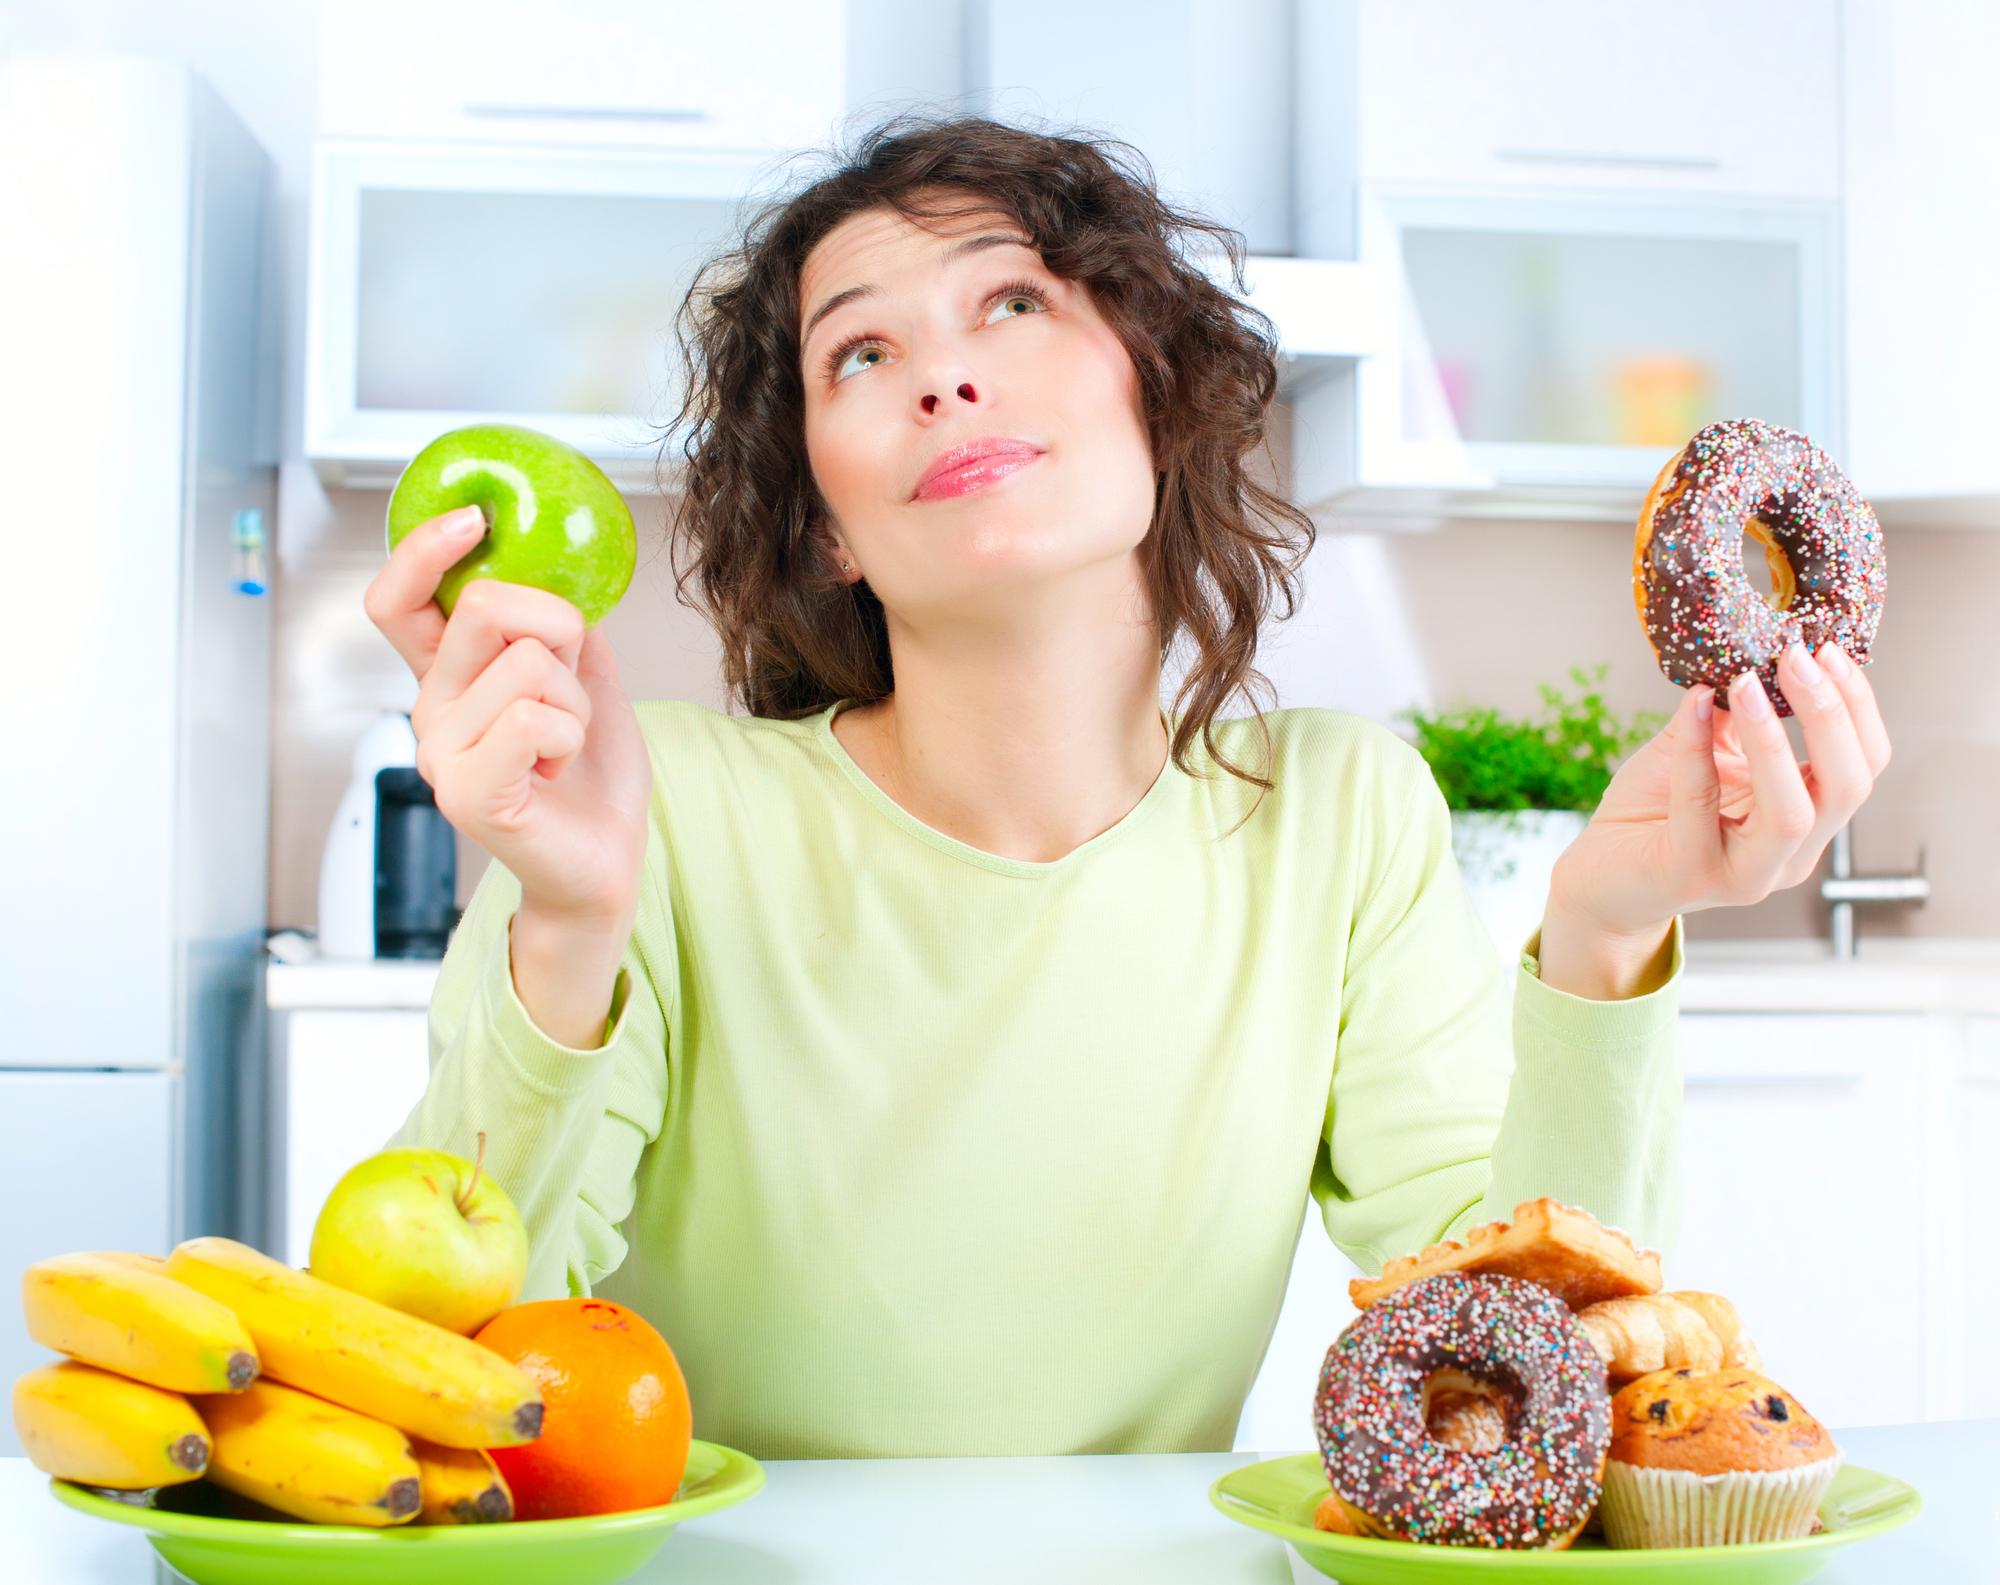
552	518
424	1232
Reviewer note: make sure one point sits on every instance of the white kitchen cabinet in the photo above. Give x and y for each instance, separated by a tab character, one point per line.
350	1078
1708	97
1804	1143
1552	352
452	285
1574	97
1921	142
768	75
1596	249
350	1056
1836	1168
86	1162
1971	1119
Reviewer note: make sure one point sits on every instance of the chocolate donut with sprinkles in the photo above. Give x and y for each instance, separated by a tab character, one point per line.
1501	1337
1707	622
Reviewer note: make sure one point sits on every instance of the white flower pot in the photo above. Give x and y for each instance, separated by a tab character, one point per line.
1507	859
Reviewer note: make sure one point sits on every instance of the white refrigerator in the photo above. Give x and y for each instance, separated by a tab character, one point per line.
135	495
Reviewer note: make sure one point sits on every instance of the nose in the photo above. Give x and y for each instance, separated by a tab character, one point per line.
965	393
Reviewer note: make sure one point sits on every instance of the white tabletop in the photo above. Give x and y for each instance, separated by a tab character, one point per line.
1128	1520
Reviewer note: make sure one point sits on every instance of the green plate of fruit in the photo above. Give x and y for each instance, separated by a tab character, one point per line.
194	1536
1279	1495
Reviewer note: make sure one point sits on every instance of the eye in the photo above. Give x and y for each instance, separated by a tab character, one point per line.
1017	302
868	355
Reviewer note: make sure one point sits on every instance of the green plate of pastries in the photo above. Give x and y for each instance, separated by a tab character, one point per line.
1279	1495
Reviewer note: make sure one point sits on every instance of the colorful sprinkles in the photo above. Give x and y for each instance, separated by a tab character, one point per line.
1538	1486
1707	622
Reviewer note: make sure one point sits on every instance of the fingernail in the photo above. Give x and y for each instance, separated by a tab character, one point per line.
462	523
1806	667
1747	697
1704	703
1835	660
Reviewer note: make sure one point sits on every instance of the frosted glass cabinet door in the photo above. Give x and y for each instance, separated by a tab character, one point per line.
1571	342
457	284
568	308
1559	339
85	1163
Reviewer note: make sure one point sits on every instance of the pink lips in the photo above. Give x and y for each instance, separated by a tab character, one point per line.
962	469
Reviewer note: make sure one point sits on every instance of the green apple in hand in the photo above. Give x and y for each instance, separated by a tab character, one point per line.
426	1233
553	520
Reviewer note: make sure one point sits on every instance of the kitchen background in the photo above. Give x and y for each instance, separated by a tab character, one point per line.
1453	202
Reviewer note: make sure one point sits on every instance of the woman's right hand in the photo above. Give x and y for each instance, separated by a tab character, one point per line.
532	749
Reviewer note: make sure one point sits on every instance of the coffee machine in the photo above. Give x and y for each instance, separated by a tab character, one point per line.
389	873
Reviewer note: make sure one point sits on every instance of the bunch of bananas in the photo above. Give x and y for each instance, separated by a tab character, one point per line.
301	1397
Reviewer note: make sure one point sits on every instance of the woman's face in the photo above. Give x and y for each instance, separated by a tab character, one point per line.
973	423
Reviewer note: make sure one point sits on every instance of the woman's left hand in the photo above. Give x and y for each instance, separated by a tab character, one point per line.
1713	812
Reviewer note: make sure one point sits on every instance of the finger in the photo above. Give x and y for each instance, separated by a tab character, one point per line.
596	662
1727	739
402	599
1839	779
1861	706
1730	766
1781	812
488	617
1694	790
525	670
501	766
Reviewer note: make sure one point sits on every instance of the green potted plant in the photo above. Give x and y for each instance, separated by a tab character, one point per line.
1520	791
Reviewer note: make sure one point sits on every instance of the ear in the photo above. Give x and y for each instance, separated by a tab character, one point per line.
838	559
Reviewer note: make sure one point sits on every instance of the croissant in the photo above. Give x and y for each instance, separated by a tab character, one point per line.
1668	1331
1738	1352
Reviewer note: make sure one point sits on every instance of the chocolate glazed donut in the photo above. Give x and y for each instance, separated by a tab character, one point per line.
1510	1340
1707	622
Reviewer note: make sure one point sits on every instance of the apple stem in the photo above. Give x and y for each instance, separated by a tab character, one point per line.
465	1199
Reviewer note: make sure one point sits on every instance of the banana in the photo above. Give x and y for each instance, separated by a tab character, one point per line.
90	1426
123	1313
352	1351
462	1485
124	1257
311	1459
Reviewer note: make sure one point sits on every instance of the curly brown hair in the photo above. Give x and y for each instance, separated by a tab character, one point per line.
1222	552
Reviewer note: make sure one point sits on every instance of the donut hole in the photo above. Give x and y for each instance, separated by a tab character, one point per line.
1466	1414
1766	567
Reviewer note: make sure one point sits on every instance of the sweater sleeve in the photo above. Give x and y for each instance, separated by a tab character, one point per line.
1433	1125
564	1128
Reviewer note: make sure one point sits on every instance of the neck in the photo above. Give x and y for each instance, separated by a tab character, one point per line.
1023	734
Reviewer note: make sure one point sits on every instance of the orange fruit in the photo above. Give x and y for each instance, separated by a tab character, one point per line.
615	1421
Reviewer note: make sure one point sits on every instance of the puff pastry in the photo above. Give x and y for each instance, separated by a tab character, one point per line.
1566	1250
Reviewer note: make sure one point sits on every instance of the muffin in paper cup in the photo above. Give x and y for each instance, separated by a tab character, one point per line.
1676	1507
1712	1459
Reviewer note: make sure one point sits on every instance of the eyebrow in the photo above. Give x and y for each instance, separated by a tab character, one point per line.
950	256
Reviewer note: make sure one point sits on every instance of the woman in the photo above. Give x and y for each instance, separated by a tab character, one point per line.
941	1052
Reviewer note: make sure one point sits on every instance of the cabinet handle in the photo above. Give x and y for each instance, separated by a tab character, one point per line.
580	113
1629	162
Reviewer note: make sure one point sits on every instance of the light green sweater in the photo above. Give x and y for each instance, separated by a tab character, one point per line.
910	1150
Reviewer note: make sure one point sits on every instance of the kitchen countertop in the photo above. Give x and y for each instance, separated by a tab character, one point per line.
388	983
1910	975
1921	976
1129	1520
